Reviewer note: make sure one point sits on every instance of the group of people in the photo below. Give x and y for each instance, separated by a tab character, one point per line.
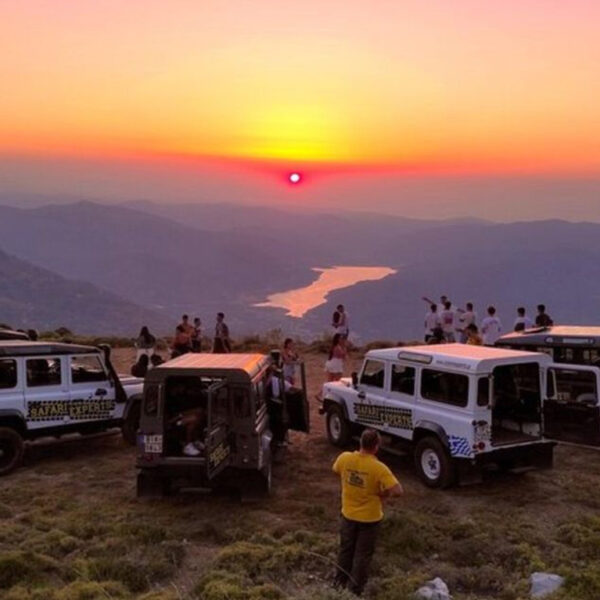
446	323
188	336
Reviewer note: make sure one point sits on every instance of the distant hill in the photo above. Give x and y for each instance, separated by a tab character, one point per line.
204	258
31	297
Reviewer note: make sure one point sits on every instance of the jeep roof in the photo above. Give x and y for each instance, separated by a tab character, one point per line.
462	357
28	348
554	336
241	367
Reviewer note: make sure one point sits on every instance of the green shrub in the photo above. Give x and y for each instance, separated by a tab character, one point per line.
91	590
18	567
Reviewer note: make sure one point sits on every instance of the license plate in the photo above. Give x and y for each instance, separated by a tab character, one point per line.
153	444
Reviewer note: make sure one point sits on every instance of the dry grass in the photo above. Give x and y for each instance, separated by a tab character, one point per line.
71	529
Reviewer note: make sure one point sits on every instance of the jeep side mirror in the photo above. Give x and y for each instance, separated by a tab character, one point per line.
354	379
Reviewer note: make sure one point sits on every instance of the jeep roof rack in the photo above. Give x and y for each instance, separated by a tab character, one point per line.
27	348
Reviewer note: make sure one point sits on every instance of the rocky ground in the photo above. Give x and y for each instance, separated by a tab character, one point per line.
72	529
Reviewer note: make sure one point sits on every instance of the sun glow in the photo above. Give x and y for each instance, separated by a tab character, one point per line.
424	84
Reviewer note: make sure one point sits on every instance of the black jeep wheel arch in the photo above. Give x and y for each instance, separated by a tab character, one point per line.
429	428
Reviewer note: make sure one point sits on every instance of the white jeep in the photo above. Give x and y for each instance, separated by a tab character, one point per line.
456	407
51	389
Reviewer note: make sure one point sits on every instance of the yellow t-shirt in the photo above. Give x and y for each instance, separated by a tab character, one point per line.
363	479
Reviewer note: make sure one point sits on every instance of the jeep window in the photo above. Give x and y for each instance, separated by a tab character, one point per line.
8	373
151	400
483	391
577	356
241	402
403	379
259	390
220	405
373	373
43	372
573	386
87	369
449	388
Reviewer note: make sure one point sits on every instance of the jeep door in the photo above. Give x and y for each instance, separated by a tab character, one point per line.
296	400
369	403
571	408
92	395
218	441
401	399
12	398
46	392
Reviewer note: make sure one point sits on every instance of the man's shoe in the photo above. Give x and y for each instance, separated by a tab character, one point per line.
191	450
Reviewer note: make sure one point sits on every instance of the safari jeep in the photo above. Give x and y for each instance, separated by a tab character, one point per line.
230	407
51	389
457	408
572	406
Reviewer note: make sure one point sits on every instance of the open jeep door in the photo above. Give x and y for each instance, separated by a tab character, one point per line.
296	401
571	408
217	440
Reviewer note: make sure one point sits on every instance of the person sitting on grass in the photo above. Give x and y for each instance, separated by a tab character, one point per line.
473	337
140	368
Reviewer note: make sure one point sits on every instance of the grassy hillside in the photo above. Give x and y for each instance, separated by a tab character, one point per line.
32	297
71	529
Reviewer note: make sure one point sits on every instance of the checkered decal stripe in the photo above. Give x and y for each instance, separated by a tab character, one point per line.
459	446
378	415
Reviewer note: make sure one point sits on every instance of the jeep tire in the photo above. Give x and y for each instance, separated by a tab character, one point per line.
131	423
11	450
433	463
339	430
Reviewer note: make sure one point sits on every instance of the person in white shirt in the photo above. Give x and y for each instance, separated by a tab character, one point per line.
432	322
491	327
522	322
467	317
447	318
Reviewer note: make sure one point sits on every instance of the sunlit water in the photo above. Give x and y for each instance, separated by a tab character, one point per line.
299	301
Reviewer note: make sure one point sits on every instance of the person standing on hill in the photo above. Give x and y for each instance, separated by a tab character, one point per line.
187	326
182	342
491	327
289	358
366	483
340	321
543	318
222	343
467	317
145	343
522	322
440	305
432	321
197	336
337	355
447	318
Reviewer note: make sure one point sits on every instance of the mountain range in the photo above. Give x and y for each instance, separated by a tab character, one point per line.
156	261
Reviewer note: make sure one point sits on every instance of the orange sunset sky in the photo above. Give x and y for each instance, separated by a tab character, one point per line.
462	86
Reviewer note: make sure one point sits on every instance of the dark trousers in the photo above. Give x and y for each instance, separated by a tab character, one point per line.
357	545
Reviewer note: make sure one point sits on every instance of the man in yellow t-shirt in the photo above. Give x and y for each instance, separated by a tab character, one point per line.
366	482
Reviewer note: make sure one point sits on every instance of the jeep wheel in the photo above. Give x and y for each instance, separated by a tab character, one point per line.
11	450
131	424
338	427
433	463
